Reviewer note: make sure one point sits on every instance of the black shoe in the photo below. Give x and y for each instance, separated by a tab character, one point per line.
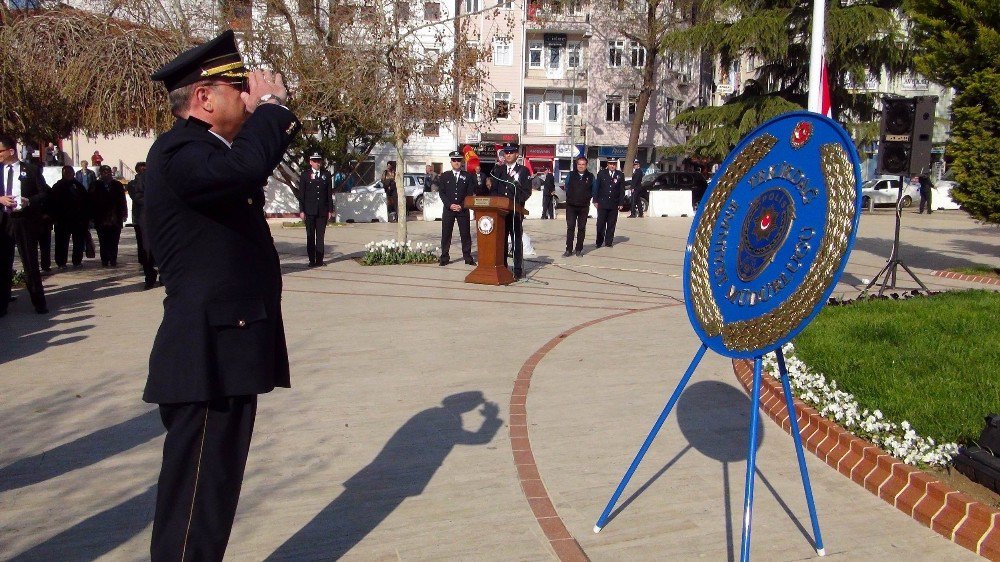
567	254
470	261
148	286
518	274
445	260
114	264
42	310
631	216
608	245
579	253
599	244
46	270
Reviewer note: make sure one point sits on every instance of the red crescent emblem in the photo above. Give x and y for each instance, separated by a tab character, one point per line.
802	133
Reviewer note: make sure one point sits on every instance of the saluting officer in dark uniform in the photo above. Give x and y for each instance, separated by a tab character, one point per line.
511	180
315	206
454	185
609	196
221	342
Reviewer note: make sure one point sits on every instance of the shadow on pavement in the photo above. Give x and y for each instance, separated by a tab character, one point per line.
79	453
401	470
912	255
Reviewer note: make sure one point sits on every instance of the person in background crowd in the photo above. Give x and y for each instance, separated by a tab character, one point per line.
137	192
85	175
315	207
638	194
115	173
431	180
96	159
536	181
926	189
455	186
579	190
352	177
609	193
548	194
69	210
389	185
22	200
108	209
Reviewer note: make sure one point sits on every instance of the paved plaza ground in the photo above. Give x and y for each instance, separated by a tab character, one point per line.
368	458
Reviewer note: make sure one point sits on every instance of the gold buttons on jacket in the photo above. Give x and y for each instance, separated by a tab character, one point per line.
249	200
241	323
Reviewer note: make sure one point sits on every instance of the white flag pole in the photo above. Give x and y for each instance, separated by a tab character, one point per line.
816	49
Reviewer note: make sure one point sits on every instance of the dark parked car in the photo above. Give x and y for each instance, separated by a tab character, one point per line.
662	181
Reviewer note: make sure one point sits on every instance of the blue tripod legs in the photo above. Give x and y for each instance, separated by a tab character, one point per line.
751	461
603	519
794	427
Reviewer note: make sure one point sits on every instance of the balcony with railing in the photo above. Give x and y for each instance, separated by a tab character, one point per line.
570	16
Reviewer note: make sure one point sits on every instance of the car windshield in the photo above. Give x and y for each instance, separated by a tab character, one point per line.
870	184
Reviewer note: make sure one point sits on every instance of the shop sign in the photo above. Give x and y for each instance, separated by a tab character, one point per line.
612	151
540	151
569	150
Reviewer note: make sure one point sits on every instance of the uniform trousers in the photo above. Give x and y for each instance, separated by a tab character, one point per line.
548	210
315	236
638	196
925	200
448	218
108	238
20	233
75	229
145	256
514	226
576	223
606	221
204	456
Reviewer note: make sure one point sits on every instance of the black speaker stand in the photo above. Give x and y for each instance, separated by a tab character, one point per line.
888	272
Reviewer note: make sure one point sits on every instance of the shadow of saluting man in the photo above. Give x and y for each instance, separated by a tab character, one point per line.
402	469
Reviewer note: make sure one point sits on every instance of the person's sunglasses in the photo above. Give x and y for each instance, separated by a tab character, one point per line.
240	85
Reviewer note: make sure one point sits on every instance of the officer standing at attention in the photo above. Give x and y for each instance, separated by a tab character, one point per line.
221	341
638	194
609	194
512	180
548	191
315	206
454	185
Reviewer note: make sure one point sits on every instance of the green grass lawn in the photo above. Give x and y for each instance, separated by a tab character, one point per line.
987	270
932	361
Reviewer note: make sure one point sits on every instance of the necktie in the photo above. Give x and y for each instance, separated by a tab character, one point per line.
9	188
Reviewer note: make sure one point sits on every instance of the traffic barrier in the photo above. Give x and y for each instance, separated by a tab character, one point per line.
433	207
670	203
362	206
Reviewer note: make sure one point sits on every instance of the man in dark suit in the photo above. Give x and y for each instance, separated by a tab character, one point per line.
315	207
22	203
108	208
579	191
137	192
609	195
221	341
638	194
548	190
454	186
512	180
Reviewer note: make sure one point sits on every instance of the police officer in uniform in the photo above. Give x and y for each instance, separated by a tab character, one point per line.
512	180
454	185
315	206
23	196
609	196
548	190
221	341
637	192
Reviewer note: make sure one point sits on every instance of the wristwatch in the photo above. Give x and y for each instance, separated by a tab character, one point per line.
266	98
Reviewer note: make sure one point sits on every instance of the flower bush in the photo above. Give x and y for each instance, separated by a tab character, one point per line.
389	252
899	440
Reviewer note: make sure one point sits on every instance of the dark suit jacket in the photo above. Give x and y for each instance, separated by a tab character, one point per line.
34	189
517	187
550	184
136	190
454	187
108	207
222	333
637	180
316	194
610	190
579	188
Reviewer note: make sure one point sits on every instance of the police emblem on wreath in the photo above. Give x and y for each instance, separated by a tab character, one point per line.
772	235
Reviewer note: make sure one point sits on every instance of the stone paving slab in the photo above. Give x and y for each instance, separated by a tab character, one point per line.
374	352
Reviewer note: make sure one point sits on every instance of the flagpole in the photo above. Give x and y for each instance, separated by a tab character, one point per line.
816	49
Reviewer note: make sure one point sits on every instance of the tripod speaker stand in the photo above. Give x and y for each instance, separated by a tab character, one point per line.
888	272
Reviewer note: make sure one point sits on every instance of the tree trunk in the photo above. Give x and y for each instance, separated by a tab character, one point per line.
400	166
645	92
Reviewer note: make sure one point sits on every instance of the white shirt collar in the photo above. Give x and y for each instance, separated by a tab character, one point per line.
218	136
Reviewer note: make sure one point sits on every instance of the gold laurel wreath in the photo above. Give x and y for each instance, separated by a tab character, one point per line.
765	330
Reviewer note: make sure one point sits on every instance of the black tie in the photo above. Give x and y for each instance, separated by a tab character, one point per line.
9	188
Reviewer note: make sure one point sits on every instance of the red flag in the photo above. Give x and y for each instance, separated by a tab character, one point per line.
825	97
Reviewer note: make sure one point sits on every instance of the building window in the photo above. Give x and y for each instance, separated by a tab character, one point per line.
613	109
573	55
575	7
432	129
470	108
505	4
502	53
432	11
403	11
533	111
555	57
471	6
616	51
638	55
668	106
535	55
553	112
633	102
501	104
572	107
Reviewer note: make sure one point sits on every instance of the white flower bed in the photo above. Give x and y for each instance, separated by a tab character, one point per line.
899	440
385	252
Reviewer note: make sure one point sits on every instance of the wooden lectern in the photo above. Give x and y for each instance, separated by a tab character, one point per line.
491	234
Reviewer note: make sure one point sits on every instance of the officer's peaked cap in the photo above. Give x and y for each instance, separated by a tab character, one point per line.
218	58
455	155
510	147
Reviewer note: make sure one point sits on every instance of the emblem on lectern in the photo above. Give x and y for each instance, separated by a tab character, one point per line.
485	224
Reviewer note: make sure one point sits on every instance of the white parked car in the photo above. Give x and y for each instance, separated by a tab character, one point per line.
885	191
414	189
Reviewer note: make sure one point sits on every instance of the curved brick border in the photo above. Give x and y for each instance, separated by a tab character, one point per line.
934	504
562	542
986	280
